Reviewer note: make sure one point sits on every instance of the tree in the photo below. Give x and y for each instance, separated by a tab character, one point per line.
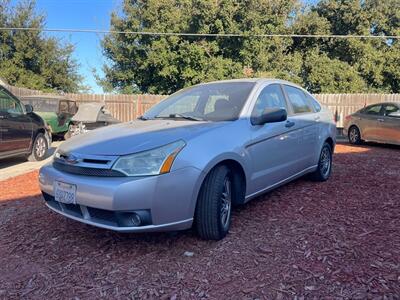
30	59
164	64
374	60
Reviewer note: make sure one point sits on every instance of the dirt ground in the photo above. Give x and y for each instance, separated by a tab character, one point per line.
333	240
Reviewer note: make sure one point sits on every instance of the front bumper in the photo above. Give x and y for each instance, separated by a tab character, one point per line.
169	199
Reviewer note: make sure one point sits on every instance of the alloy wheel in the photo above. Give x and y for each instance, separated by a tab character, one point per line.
226	202
40	147
325	161
354	135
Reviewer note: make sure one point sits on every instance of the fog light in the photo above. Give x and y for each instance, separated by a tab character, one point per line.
136	220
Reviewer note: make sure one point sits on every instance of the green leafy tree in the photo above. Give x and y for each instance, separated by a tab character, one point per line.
28	58
164	64
372	59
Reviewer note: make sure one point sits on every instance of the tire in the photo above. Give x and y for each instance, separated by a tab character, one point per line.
324	169
39	148
214	205
354	135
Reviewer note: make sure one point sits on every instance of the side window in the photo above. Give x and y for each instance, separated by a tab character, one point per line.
72	107
9	105
270	97
373	110
392	110
315	103
298	100
63	107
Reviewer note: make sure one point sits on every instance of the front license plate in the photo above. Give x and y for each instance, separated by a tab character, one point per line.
64	192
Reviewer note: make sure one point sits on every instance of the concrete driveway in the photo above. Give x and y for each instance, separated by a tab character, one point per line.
16	166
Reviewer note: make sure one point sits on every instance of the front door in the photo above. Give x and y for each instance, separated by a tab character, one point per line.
15	125
390	124
370	122
273	146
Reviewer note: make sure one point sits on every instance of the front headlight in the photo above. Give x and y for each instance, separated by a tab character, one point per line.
152	162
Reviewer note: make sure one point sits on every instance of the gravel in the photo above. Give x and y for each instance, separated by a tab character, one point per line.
338	239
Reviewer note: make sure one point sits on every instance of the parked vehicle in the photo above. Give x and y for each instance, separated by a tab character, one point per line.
90	116
22	132
375	123
57	111
191	157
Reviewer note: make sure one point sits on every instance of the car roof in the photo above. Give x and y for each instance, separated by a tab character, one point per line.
47	97
384	103
254	80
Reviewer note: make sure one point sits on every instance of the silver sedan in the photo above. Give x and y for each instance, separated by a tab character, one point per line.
191	157
374	123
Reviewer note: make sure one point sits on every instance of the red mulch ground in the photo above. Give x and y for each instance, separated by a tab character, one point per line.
339	239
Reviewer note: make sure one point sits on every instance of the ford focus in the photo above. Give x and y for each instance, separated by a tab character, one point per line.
192	157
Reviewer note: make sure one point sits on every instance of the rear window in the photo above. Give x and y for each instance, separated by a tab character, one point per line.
315	103
298	100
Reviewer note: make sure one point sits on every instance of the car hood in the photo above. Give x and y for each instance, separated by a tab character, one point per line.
135	136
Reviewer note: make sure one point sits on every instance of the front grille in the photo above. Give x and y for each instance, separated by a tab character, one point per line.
87	171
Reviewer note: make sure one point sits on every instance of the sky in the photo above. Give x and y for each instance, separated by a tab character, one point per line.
81	14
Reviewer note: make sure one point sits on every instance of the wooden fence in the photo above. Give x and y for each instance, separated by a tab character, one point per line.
128	107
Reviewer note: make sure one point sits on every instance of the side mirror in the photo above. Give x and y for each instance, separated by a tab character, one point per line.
28	108
270	115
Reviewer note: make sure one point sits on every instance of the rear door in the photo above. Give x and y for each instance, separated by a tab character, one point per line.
15	125
390	126
306	120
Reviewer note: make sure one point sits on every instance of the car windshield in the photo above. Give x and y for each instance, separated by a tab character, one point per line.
42	105
208	102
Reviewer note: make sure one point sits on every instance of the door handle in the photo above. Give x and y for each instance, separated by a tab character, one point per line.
289	124
317	118
380	120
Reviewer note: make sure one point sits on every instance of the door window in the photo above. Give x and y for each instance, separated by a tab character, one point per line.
9	105
72	107
298	100
373	110
63	107
315	103
392	110
270	97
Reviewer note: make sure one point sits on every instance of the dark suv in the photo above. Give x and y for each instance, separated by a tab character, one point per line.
22	132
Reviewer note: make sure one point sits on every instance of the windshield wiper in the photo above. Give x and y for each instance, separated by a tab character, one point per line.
182	116
143	118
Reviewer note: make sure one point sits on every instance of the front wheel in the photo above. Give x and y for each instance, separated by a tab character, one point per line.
39	148
214	205
324	169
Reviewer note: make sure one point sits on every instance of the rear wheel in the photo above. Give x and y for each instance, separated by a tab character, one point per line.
354	135
214	205
324	169
39	148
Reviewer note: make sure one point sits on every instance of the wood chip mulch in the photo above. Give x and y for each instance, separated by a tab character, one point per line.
333	240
